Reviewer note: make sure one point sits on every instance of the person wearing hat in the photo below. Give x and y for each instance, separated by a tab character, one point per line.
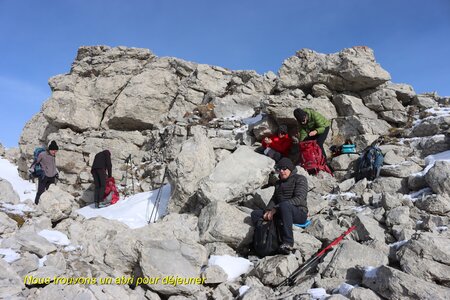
100	166
47	159
277	146
312	126
288	204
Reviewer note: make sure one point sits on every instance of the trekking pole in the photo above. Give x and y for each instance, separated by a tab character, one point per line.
158	198
291	279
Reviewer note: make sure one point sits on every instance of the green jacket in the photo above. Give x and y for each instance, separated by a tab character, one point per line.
315	122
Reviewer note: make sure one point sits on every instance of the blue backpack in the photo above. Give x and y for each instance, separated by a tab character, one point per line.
370	163
37	170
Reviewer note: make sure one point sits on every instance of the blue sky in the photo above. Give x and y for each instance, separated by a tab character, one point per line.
39	39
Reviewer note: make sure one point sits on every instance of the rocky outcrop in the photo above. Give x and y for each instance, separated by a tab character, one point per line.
202	124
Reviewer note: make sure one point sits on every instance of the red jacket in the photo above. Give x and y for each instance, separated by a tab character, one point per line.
281	145
111	188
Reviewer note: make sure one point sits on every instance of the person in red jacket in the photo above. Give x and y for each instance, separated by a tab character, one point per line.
277	146
111	193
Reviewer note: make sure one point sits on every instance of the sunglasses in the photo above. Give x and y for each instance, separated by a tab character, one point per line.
281	169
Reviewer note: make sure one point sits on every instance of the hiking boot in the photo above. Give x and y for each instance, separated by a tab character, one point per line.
286	249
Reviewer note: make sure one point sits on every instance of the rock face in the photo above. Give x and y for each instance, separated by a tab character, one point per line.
202	124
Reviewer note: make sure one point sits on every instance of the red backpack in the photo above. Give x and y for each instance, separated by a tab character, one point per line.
311	157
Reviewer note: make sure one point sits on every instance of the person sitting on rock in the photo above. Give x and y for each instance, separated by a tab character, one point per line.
47	160
278	145
101	166
312	126
288	204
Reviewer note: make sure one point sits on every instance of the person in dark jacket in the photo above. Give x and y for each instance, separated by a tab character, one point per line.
47	161
101	167
312	126
288	205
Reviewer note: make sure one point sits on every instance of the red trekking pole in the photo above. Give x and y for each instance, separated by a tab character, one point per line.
291	279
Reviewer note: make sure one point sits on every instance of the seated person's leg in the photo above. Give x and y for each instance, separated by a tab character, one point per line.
257	215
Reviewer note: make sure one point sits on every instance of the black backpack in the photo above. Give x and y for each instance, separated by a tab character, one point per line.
370	163
265	238
37	170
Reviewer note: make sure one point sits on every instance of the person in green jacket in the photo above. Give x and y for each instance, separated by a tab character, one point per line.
312	126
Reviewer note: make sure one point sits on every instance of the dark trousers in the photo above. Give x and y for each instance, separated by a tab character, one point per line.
43	185
276	156
320	138
286	215
100	184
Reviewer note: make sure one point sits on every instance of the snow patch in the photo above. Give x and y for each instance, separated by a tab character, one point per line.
42	261
318	293
233	266
25	189
398	245
55	237
15	209
418	195
370	272
243	289
9	255
134	211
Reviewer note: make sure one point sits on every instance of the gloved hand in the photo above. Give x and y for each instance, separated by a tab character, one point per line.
295	140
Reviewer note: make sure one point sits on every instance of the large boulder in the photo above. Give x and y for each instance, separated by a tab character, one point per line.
437	177
347	105
352	69
7	225
10	283
221	222
236	176
195	161
56	203
272	270
427	256
348	255
34	243
394	284
7	192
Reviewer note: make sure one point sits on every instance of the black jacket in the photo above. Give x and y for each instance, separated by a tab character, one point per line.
294	189
102	160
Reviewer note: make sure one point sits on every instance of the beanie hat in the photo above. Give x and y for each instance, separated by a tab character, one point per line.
53	146
300	115
285	163
282	129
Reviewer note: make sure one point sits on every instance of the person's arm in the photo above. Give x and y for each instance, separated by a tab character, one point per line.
109	166
300	192
302	134
320	121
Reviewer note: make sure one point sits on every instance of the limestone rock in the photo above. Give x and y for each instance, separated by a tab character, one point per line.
56	203
437	177
352	69
393	284
195	161
7	193
236	176
347	256
221	222
427	256
347	105
7	225
10	283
